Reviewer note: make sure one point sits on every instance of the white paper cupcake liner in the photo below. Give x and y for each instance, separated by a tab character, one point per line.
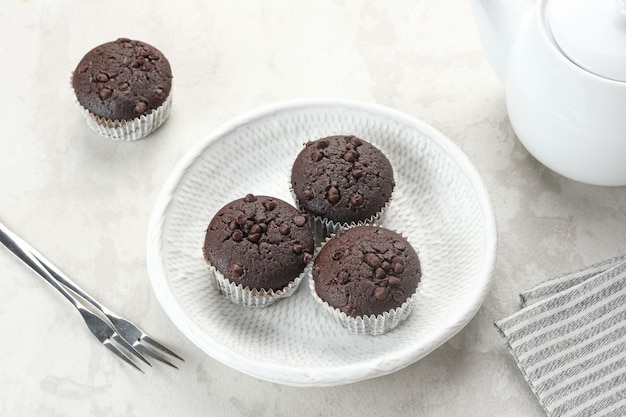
323	227
248	297
373	325
129	130
327	227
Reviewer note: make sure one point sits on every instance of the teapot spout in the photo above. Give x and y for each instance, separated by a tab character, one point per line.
499	22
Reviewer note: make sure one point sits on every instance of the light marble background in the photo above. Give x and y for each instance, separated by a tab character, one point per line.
85	201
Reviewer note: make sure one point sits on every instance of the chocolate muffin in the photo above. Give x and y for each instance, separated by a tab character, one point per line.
124	88
342	181
367	273
258	248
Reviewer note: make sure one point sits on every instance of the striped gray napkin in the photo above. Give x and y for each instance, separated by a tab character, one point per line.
569	341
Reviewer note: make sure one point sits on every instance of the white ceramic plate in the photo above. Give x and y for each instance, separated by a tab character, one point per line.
439	204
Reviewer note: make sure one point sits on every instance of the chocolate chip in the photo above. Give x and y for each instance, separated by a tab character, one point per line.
105	93
284	229
398	295
159	93
308	194
372	260
355	141
123	86
401	246
232	225
255	228
242	219
322	144
334	198
297	248
357	173
343	277
235	270
248	225
393	281
350	155
397	259
254	237
237	235
249	198
147	65
299	220
381	293
140	107
306	257
154	55
397	267
357	200
379	273
386	266
269	205
380	247
83	68
337	254
136	63
140	51
317	156
333	195
101	77
349	311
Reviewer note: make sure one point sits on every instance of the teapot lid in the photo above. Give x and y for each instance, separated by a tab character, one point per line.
592	34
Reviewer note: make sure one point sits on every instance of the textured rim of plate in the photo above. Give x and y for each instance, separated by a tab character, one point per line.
320	376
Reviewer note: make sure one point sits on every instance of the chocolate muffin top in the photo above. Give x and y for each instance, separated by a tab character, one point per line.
342	178
259	242
122	80
366	270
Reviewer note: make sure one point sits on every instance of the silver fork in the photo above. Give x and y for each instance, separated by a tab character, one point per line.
115	329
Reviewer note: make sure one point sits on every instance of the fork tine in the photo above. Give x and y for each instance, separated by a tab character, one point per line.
156	344
140	339
121	355
132	349
151	353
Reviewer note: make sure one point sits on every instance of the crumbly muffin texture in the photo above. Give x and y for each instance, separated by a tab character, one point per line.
260	242
342	178
366	270
122	80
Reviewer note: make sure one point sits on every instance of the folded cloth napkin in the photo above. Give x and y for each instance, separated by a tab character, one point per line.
569	341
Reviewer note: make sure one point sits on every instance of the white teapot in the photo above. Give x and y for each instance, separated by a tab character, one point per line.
563	64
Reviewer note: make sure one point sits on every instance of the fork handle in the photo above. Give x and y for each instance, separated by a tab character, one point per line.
27	254
50	270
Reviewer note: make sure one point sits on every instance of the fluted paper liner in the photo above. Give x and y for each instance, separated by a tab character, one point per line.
323	227
252	297
127	130
373	325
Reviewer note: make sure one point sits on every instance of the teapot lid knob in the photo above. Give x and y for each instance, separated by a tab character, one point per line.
592	34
